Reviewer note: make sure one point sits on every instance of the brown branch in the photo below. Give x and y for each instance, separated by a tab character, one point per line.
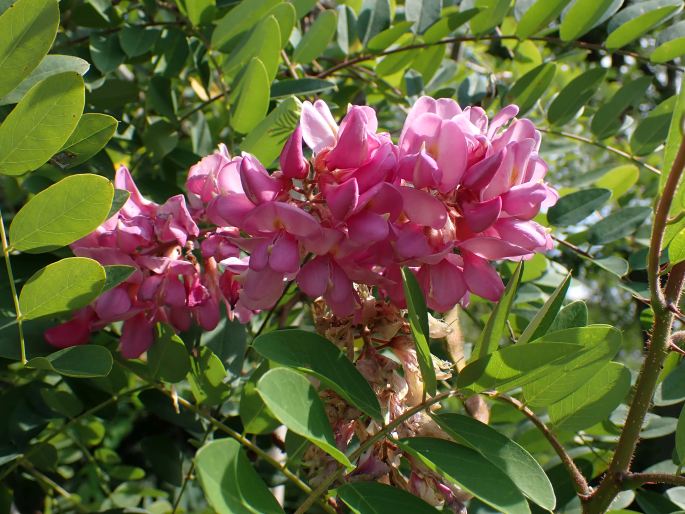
579	481
633	480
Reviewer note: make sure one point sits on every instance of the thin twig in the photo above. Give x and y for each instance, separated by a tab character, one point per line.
579	480
601	145
13	288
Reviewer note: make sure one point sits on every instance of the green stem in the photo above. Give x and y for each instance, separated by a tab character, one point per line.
647	381
323	487
13	288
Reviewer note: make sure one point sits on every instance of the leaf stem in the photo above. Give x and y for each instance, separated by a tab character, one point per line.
13	288
579	480
662	305
323	486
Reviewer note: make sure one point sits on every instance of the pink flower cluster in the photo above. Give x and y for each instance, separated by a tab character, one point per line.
457	192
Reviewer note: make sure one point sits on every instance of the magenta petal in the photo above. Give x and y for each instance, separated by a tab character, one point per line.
174	292
292	161
351	150
482	215
285	255
480	174
452	155
367	227
481	278
135	204
113	304
423	208
274	216
524	201
342	198
229	210
259	256
421	170
137	336
71	333
493	248
261	289
314	276
443	284
258	185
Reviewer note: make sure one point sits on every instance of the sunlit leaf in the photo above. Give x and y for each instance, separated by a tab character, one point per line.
316	39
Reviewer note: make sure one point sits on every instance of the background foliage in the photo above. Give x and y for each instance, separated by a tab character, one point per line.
161	83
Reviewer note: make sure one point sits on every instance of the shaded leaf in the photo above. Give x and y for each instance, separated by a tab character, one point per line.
582	16
82	361
311	353
607	119
266	140
377	498
575	95
418	320
504	453
115	275
168	358
575	207
374	18
538	16
296	404
530	88
423	13
618	224
544	318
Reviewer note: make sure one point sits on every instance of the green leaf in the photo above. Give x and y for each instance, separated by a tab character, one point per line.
607	119
295	402
618	224
671	43
137	41
263	42
302	7
41	123
173	52
120	198
469	470
200	12
50	65
575	207
619	179
531	87
84	361
90	136
286	17
313	354
675	136
490	337
504	453
346	32
254	414
676	250
240	19
252	100
652	131
374	18
418	320
115	275
538	16
652	14
491	14
266	140
582	16
230	482
206	378
316	39
544	318
167	358
62	402
601	343
594	401
61	214
384	39
513	366
377	498
301	87
62	286
106	52
575	314
446	25
27	31
423	13
680	437
160	138
575	95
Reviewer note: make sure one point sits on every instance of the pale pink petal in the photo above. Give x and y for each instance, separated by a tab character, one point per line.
318	126
451	155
